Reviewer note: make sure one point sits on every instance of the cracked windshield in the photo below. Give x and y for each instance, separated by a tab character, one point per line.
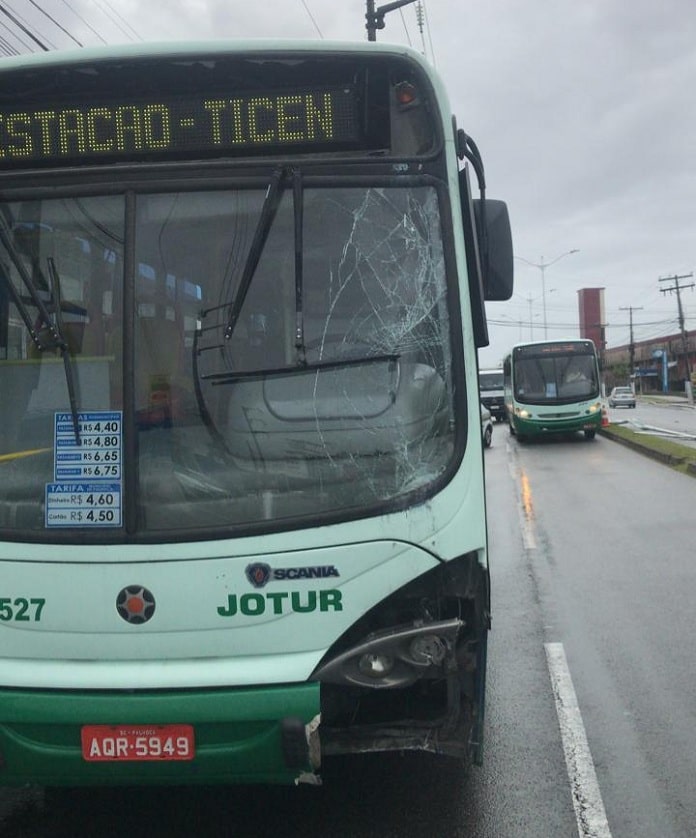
235	352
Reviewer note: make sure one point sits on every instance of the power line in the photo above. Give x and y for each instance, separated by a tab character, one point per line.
123	20
86	23
10	49
6	48
108	11
24	29
311	17
403	21
55	22
31	27
429	31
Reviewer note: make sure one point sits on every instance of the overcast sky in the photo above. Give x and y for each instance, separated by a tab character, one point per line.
584	111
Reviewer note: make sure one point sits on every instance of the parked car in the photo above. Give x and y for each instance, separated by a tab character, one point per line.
622	397
486	426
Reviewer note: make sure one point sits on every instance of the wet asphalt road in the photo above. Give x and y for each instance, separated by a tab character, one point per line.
590	549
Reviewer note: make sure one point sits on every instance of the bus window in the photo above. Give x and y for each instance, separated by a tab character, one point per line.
73	236
362	392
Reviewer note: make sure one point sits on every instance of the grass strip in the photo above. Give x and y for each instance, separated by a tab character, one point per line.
679	457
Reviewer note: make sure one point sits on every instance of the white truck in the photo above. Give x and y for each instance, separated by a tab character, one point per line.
491	392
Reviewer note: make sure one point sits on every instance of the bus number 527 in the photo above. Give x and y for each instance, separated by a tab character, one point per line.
21	610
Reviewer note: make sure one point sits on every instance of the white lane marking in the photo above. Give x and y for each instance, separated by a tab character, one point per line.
587	799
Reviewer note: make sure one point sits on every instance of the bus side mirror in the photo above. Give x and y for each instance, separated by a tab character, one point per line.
495	247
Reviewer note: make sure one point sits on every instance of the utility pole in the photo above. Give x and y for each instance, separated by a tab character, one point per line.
531	324
375	16
631	345
685	347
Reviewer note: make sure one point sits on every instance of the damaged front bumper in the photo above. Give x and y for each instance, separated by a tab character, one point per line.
409	688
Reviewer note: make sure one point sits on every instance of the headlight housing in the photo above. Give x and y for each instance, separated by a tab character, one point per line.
395	658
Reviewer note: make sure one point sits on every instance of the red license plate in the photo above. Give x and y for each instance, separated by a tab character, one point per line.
137	743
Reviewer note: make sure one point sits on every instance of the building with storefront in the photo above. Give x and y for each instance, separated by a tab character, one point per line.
661	364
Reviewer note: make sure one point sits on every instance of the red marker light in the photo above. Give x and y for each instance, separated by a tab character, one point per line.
135	604
406	94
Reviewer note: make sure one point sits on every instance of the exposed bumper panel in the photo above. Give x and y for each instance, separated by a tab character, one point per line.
533	427
241	736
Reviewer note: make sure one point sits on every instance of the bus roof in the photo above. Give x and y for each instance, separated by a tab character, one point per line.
553	340
191	49
550	340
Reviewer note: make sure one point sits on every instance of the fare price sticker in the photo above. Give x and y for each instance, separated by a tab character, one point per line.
98	454
86	491
83	504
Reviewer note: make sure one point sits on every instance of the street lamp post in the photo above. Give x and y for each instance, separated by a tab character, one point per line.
529	300
375	16
542	265
532	317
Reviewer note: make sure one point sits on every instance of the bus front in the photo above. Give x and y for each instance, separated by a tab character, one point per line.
553	387
242	519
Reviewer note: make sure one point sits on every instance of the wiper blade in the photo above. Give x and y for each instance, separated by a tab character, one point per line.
263	228
252	375
298	213
55	329
33	293
63	346
22	309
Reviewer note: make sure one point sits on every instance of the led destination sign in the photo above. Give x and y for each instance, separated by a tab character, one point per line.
541	350
212	125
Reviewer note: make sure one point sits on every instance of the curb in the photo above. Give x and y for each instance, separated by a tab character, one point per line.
660	456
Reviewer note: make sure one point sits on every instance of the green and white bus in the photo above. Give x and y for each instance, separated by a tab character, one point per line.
552	387
242	514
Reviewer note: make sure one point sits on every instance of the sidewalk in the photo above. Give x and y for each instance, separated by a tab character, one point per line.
668	398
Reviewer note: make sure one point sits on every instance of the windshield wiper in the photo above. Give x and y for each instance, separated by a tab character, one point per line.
55	329
22	309
340	363
33	293
298	215
63	346
263	228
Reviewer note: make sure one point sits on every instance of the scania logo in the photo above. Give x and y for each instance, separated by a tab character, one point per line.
258	574
135	604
